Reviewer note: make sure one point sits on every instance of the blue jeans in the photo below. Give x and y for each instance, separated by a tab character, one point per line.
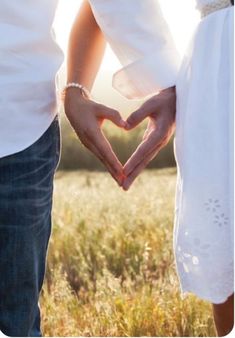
26	187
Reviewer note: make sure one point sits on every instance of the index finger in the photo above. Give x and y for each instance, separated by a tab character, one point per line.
104	148
146	148
135	173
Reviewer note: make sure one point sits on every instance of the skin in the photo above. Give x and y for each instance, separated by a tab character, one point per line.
224	316
85	53
85	115
160	110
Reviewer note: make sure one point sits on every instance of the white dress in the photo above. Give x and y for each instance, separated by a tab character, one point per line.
138	34
203	234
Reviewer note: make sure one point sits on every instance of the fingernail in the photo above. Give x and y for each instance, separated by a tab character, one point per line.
125	188
123	124
120	181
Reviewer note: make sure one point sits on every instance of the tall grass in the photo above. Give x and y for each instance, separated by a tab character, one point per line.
111	268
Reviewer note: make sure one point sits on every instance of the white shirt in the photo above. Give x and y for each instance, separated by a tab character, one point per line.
141	39
29	61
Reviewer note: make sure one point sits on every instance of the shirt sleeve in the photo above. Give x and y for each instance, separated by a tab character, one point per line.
140	37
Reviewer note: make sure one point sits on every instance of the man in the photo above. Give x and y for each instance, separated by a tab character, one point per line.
30	144
29	154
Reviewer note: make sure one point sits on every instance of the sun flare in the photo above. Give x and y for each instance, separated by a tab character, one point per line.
179	14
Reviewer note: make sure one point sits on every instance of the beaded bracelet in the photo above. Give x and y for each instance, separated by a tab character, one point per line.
84	91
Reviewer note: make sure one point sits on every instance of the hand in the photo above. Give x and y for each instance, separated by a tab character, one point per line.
86	117
161	110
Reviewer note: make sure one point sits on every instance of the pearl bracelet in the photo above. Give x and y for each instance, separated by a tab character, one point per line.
84	91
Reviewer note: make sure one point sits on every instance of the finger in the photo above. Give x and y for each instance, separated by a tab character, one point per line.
132	169
149	107
103	147
127	182
136	118
148	130
144	149
97	153
146	134
112	115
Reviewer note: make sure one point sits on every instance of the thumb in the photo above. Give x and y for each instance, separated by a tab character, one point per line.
137	117
114	116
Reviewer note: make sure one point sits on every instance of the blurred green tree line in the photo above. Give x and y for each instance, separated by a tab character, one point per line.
75	156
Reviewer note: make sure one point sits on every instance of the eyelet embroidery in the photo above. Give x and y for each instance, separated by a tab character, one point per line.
212	205
192	259
198	245
221	220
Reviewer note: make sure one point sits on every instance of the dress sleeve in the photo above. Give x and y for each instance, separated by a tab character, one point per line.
140	37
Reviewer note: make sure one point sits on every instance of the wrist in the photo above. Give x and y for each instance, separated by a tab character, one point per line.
169	90
74	88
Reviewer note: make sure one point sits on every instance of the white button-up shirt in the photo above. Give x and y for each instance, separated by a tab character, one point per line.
29	61
141	39
30	58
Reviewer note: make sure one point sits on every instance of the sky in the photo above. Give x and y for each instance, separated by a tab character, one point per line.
181	16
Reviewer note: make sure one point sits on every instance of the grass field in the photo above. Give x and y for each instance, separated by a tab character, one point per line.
111	268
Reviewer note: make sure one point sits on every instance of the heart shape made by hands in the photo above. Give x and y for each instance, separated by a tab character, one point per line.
87	117
160	109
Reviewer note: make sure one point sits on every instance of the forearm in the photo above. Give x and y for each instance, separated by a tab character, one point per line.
86	48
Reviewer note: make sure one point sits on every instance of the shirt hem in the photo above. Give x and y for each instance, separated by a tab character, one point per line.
28	144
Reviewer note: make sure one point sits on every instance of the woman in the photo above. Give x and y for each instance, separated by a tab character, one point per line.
203	100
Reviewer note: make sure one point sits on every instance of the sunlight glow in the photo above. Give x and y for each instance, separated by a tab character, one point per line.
180	14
